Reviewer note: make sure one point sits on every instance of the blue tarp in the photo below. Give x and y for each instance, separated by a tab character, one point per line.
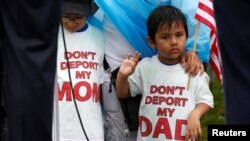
130	16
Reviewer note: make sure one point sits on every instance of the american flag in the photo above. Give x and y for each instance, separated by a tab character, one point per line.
205	14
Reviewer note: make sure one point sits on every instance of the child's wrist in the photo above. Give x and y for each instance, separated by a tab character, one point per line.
122	76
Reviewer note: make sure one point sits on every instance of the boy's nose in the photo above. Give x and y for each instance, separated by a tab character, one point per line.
173	40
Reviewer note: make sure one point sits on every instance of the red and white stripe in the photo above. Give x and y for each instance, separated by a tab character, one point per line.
205	14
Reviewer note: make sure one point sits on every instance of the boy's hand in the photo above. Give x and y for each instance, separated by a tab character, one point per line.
128	65
193	132
192	69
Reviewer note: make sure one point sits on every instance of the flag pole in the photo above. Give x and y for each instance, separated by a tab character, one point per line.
193	53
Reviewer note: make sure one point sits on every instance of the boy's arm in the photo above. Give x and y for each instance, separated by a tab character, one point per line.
193	122
122	86
126	69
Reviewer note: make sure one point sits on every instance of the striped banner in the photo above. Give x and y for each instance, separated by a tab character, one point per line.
205	14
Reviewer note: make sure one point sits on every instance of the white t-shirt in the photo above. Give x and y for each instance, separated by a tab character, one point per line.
85	51
166	102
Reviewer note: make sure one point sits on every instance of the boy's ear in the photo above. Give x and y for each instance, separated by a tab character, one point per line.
151	42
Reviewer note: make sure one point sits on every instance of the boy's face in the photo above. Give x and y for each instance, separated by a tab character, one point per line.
170	43
73	22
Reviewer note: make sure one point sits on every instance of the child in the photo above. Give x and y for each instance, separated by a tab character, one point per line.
83	62
168	111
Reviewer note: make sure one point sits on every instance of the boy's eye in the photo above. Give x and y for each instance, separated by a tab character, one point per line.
165	37
78	17
179	34
65	16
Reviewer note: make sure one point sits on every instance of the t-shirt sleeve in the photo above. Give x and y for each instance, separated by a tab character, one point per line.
202	92
104	76
135	81
99	38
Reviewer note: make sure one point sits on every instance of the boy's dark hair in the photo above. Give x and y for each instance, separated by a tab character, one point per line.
81	7
165	16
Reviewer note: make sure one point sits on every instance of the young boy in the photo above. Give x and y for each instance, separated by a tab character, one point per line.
79	70
168	111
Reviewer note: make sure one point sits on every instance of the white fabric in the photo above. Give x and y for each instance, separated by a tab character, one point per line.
86	58
116	47
165	88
